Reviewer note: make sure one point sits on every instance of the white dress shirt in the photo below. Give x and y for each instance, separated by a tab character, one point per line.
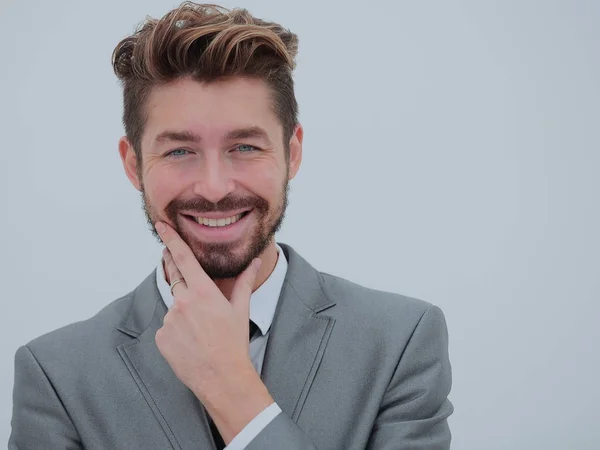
263	302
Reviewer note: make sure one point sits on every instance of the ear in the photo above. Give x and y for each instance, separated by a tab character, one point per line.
129	162
295	151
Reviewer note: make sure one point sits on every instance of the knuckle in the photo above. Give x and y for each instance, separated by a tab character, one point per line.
199	291
182	304
158	337
168	319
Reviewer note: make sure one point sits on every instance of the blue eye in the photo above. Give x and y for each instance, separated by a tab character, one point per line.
246	148
177	152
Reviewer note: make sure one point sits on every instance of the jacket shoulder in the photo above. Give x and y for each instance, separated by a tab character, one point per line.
89	333
373	304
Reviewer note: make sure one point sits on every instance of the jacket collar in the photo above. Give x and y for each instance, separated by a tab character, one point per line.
301	278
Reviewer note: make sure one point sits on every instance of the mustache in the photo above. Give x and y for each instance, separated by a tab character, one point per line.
201	205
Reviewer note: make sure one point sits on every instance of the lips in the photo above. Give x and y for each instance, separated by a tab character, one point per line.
218	230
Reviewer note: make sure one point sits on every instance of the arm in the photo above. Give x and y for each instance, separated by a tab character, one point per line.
414	409
39	418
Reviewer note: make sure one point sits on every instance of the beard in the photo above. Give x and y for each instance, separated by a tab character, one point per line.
223	259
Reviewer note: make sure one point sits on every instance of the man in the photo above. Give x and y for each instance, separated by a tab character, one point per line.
234	339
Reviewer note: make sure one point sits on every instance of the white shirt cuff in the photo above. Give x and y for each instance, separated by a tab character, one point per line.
254	427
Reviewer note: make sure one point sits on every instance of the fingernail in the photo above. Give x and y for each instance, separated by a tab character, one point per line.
160	227
257	264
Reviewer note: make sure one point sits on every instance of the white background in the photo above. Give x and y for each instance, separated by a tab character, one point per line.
451	154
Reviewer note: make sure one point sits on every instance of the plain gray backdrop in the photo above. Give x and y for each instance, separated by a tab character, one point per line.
450	154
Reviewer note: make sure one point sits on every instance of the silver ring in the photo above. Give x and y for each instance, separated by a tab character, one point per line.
178	280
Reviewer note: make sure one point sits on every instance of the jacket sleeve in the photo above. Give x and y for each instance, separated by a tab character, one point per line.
39	419
414	410
281	432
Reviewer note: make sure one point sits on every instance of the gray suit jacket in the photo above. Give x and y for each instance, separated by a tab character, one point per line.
350	367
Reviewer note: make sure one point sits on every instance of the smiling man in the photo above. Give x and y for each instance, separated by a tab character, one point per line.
234	341
214	165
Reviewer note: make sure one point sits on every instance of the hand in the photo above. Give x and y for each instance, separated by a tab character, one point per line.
204	337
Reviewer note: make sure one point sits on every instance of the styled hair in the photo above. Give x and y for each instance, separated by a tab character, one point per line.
208	43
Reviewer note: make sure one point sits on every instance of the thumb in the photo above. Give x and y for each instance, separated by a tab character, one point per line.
242	289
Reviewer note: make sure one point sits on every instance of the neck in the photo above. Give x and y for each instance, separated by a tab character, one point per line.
269	260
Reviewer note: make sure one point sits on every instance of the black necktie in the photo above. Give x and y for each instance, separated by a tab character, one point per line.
213	428
253	328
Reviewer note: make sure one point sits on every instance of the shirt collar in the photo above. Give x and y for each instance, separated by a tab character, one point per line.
263	301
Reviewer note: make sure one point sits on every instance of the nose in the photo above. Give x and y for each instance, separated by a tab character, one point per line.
214	180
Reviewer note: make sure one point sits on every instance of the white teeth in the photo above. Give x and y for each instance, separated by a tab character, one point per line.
218	222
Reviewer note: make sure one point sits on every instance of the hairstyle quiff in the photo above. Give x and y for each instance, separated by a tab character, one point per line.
208	43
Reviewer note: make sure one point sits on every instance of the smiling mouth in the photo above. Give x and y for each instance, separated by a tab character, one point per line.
217	223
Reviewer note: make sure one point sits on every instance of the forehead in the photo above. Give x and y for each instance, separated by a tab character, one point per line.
211	110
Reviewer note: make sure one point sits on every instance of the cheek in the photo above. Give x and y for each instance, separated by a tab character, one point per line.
264	182
161	188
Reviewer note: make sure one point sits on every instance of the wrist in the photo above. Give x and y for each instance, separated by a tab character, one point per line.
234	401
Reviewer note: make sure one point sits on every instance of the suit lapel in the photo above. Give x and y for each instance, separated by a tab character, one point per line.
180	414
297	340
298	336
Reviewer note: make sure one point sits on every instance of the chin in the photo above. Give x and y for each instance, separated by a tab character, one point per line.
223	259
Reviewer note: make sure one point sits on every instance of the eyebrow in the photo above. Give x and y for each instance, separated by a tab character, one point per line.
233	135
182	136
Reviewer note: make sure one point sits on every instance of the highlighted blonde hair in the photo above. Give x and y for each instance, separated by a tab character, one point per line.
208	43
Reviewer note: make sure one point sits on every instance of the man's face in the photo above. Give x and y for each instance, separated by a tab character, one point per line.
214	167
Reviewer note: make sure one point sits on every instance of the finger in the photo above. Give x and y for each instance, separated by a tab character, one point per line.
173	272
183	257
244	284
